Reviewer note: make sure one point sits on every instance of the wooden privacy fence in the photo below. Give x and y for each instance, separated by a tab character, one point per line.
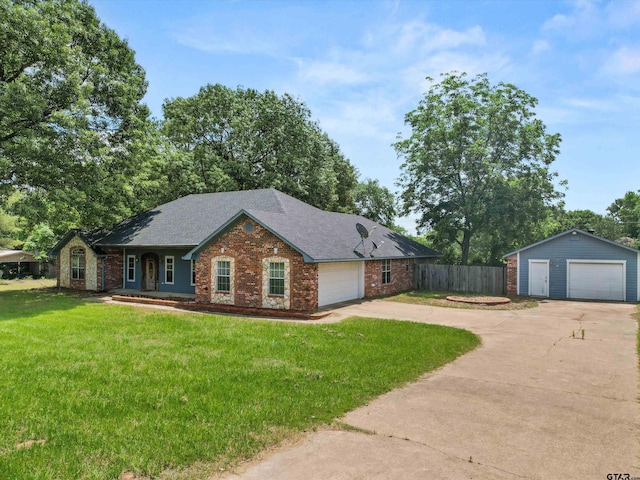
461	278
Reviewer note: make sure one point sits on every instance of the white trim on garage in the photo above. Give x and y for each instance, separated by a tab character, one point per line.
546	280
598	293
340	282
518	275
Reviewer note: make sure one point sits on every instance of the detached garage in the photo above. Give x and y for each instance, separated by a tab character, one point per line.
575	265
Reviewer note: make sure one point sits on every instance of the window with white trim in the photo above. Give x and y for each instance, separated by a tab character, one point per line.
193	272
168	270
77	264
131	268
276	278
386	271
223	280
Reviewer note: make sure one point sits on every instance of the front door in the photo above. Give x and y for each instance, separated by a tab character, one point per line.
539	278
151	274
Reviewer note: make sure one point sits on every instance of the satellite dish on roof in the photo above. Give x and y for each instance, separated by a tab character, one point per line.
362	230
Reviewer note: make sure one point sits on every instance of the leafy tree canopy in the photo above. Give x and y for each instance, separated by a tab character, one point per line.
70	110
375	202
477	163
8	230
222	139
604	226
626	211
41	241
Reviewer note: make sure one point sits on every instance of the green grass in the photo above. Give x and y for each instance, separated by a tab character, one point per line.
439	299
25	284
104	389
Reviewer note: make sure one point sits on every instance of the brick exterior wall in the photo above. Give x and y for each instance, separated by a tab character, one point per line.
401	276
113	268
248	250
512	275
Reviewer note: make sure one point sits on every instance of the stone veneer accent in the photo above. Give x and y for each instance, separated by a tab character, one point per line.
219	297
401	276
276	301
91	266
248	250
512	274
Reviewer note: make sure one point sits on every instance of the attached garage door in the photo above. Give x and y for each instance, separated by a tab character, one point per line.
339	282
596	280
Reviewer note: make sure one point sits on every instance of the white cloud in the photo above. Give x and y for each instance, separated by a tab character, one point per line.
206	39
414	74
600	105
326	72
624	61
367	117
540	46
623	14
423	37
582	21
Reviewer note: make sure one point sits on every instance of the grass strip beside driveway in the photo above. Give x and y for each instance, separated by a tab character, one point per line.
439	299
91	390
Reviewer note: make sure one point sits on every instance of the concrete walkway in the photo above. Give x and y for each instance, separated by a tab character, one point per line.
531	402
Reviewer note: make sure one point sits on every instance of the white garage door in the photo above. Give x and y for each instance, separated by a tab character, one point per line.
596	280
339	282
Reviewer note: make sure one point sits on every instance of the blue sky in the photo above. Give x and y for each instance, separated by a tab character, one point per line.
361	65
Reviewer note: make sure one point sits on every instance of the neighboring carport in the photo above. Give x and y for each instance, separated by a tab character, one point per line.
18	263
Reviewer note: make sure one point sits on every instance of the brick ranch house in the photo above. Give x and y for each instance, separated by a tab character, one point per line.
251	249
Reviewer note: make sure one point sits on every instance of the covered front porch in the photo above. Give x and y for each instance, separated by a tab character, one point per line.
177	296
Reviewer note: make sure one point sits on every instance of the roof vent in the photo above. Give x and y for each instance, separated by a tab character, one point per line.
591	231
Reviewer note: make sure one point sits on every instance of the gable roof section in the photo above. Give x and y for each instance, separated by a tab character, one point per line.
568	232
196	220
90	237
187	221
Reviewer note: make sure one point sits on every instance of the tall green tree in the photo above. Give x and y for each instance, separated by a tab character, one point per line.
626	211
602	225
70	110
223	139
8	230
375	202
41	241
477	163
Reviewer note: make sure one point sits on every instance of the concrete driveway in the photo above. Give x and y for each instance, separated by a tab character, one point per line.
531	402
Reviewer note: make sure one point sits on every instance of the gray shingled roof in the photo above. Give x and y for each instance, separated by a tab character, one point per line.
567	232
90	237
320	235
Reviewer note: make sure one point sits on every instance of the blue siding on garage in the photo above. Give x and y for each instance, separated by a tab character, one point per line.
576	247
181	272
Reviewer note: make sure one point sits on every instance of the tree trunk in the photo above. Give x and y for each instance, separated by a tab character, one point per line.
466	240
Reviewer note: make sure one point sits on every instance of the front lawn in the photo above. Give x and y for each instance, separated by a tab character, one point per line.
26	283
439	299
89	390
